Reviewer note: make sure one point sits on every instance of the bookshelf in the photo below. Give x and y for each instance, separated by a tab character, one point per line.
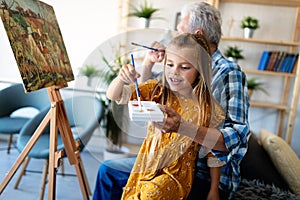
259	41
291	81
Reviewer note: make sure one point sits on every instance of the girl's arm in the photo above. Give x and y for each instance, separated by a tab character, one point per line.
215	173
127	75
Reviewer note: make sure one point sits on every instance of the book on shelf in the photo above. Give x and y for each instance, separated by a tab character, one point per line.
278	61
272	61
264	60
285	63
293	63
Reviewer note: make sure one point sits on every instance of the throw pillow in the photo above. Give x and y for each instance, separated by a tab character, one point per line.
284	158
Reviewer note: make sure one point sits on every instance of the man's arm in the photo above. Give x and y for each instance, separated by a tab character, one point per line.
208	137
211	138
230	90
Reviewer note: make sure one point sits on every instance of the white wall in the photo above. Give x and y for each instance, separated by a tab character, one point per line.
84	25
168	10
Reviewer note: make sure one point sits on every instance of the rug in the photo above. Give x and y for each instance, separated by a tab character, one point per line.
256	190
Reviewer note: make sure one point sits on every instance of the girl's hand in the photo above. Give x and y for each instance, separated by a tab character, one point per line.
155	56
128	74
213	195
171	121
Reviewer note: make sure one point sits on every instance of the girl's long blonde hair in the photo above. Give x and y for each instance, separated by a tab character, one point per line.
195	49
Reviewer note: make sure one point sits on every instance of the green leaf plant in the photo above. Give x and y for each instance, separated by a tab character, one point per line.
144	10
250	22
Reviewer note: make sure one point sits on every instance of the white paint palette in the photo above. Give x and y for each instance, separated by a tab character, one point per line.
149	111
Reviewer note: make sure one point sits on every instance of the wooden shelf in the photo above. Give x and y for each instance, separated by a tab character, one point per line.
260	41
290	3
269	105
268	73
289	86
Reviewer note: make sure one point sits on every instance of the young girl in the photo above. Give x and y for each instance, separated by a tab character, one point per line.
164	168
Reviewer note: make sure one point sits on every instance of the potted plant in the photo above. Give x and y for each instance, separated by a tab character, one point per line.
254	85
144	12
113	130
233	53
89	71
249	24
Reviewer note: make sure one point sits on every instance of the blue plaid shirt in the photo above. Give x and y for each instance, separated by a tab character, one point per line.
229	87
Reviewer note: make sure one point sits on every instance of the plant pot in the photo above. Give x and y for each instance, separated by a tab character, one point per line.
248	32
250	92
235	60
114	118
144	22
89	81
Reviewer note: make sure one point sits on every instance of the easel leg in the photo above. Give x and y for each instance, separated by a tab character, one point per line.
84	185
82	171
62	124
52	150
73	153
85	179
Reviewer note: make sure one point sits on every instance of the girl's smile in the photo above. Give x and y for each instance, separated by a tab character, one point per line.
180	74
175	81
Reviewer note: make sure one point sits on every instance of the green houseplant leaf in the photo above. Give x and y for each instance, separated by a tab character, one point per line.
254	84
250	22
234	52
112	68
145	10
89	71
106	75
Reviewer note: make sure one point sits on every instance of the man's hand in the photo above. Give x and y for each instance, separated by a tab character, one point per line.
150	59
171	121
155	56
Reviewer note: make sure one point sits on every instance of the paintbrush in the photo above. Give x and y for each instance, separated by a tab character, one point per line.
140	45
137	87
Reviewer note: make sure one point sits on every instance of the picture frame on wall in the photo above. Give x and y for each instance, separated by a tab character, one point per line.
177	20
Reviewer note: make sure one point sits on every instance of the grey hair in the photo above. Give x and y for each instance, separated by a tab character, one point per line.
205	17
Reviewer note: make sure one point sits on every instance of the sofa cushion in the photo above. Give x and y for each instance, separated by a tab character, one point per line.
284	158
257	165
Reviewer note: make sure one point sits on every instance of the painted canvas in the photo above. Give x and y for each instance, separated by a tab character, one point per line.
37	43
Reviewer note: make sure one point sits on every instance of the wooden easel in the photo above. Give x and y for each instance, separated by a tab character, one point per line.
57	117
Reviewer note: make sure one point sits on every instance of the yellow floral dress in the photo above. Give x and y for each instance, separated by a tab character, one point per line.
164	168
